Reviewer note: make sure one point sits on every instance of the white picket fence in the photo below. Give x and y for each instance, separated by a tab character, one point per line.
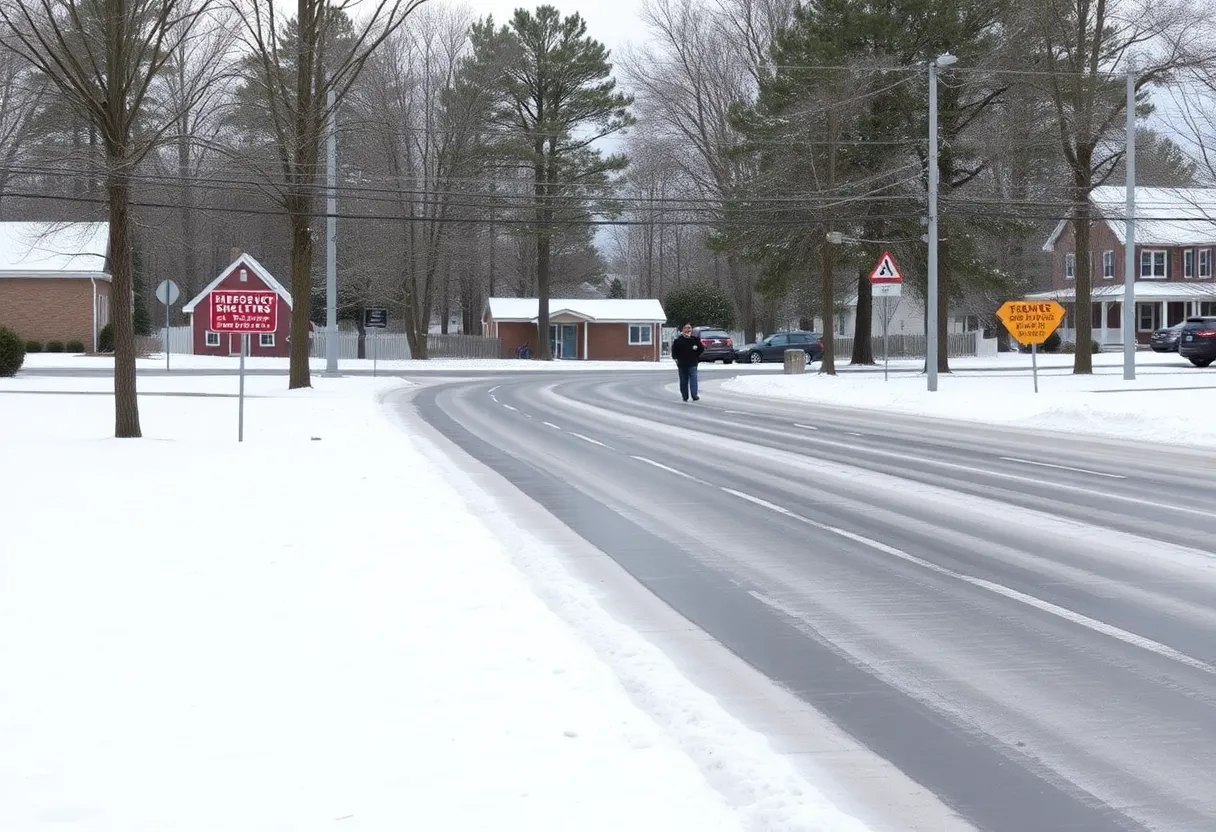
391	346
180	340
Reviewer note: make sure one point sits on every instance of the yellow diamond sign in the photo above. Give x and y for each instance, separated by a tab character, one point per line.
1031	321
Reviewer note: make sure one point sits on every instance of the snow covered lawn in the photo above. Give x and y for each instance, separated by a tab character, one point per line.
310	630
1167	402
43	360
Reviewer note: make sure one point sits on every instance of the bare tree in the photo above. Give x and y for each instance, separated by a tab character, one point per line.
298	63
104	56
1083	50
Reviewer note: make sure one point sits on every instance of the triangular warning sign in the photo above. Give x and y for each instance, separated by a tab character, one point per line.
886	271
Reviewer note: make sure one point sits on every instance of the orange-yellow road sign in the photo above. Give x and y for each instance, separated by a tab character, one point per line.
1031	321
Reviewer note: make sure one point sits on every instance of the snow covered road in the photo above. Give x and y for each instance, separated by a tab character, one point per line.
1021	622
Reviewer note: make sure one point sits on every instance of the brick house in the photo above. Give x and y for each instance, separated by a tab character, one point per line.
55	280
243	273
597	329
1174	270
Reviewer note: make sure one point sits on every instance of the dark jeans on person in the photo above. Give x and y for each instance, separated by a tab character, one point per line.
688	382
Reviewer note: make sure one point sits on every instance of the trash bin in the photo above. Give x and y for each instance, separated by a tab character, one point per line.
795	362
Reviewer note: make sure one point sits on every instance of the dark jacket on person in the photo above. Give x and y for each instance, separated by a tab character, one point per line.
686	350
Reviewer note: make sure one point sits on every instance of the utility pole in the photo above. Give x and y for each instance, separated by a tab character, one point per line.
943	60
331	238
1129	237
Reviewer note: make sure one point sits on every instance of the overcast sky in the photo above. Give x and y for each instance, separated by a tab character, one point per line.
612	22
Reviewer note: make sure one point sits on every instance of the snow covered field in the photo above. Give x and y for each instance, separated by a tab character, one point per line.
311	630
1167	402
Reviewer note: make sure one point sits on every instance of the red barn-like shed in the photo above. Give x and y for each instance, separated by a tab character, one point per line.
244	273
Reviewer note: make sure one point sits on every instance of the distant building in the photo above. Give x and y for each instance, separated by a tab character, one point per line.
1175	240
243	273
55	280
598	329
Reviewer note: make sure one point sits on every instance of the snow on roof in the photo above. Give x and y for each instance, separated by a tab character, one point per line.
600	310
259	271
1164	216
1145	290
54	249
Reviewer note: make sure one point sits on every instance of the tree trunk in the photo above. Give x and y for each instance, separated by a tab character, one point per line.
863	320
299	374
361	349
544	171
122	311
1083	360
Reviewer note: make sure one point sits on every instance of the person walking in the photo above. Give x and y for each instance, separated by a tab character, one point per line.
686	350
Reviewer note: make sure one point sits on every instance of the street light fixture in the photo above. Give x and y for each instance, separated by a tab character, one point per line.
941	61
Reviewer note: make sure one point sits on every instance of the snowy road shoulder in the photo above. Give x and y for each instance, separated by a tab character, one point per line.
306	628
1158	406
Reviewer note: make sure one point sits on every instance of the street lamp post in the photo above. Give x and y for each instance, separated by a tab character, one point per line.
943	60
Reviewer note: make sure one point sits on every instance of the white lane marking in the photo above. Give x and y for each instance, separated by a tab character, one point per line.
995	588
511	407
805	427
668	469
589	439
1063	467
492	389
550	424
850	433
737	412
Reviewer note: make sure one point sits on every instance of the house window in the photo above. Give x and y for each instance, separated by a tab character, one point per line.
1153	264
1207	307
1070	266
1108	264
641	335
1205	262
213	339
1147	314
266	339
1188	262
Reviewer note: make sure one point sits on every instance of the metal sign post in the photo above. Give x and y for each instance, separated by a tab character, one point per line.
1031	323
242	312
886	348
167	293
1034	365
240	407
374	318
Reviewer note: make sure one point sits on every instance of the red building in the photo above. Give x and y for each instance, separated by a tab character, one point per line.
597	329
244	273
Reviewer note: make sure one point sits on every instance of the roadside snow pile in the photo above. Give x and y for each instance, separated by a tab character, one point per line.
308	630
1159	406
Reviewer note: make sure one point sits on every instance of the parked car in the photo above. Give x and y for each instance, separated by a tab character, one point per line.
1197	340
774	346
718	344
1166	338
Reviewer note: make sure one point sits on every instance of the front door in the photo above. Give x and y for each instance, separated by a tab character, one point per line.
234	344
563	340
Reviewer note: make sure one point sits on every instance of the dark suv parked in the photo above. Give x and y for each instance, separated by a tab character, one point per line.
1197	341
774	346
717	343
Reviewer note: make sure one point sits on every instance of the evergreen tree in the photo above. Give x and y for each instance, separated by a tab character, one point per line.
551	81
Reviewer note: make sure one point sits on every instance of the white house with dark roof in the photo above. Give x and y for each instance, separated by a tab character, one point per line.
1175	237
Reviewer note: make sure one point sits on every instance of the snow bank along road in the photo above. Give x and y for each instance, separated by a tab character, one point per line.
1024	623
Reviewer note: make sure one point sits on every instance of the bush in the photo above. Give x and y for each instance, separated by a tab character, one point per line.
1068	347
33	346
105	339
74	346
1052	344
12	352
54	346
699	304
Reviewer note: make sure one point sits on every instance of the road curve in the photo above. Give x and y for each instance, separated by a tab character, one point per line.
1021	622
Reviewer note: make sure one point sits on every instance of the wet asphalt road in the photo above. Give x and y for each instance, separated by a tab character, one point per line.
1022	622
